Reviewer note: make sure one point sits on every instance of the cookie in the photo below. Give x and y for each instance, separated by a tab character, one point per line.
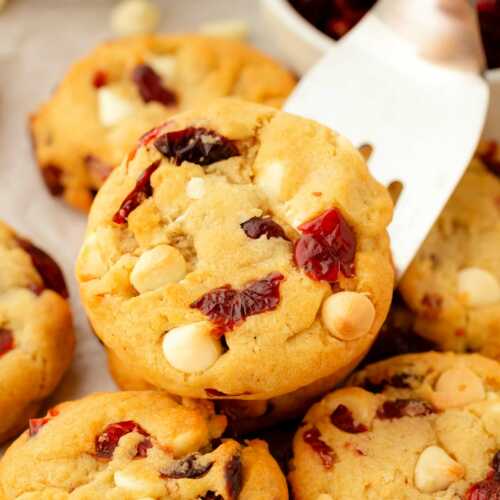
128	86
36	333
244	416
453	284
136	445
213	252
420	427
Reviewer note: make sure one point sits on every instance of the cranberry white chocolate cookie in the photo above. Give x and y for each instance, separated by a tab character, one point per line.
420	427
36	333
235	249
126	87
244	416
136	445
453	284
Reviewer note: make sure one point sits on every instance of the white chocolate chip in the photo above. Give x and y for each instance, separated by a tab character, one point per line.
131	482
157	267
191	348
479	287
163	65
232	28
112	107
270	179
135	17
348	315
436	470
458	387
195	188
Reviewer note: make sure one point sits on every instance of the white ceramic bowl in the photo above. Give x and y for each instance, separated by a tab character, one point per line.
301	44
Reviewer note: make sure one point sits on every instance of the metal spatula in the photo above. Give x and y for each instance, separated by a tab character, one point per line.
405	80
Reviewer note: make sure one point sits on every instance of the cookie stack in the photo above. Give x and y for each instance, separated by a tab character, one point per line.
236	267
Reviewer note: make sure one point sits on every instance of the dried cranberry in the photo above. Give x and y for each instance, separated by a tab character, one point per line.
107	441
399	408
333	17
52	176
342	418
97	168
327	246
227	307
214	393
491	157
489	21
256	227
141	192
432	304
313	438
313	10
35	424
6	341
195	145
99	79
151	87
233	476
488	489
143	447
187	467
49	271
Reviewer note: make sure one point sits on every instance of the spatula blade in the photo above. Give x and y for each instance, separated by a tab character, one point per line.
423	121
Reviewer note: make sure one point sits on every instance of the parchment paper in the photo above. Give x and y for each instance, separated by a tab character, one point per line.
39	39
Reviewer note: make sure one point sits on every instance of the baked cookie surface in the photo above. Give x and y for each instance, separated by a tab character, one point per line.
420	426
126	87
453	284
136	445
36	332
212	254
